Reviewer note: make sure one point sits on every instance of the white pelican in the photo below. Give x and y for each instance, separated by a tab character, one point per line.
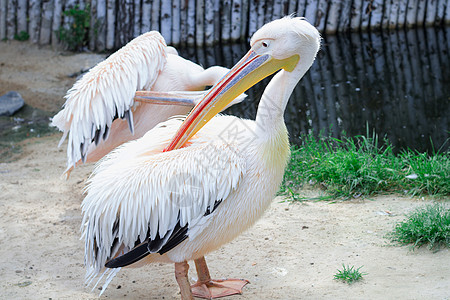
162	200
98	102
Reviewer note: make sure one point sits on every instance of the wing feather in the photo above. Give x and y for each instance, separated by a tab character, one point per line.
108	89
148	193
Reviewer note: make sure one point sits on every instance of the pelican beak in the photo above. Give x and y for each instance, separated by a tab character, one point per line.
251	69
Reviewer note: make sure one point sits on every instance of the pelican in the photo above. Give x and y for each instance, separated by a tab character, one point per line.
172	200
103	97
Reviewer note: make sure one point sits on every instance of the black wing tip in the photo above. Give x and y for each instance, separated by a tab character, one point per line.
128	258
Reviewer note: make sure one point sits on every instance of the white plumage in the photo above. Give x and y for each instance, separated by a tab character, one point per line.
179	205
97	103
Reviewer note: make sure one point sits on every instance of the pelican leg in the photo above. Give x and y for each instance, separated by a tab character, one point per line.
208	288
181	274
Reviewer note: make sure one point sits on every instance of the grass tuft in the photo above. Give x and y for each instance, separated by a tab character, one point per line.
76	35
363	166
349	274
426	225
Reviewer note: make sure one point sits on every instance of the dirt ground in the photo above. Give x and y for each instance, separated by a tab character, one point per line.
291	253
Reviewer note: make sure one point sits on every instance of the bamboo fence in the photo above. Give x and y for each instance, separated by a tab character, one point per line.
206	22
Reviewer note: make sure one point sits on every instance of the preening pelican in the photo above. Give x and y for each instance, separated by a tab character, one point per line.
158	199
97	103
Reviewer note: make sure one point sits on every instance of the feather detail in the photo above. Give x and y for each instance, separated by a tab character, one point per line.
138	192
108	89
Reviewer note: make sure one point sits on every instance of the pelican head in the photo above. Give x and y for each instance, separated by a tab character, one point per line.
288	44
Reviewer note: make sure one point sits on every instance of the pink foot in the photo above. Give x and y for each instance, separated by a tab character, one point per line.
218	288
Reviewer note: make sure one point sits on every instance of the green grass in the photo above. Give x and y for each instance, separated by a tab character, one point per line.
349	274
76	35
22	36
363	166
428	225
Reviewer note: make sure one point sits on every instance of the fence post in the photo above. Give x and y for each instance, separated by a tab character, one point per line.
10	20
92	24
176	22
236	8
200	22
35	20
166	20
22	16
46	22
3	19
209	22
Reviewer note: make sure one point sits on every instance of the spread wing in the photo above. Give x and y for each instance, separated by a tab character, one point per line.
151	201
106	92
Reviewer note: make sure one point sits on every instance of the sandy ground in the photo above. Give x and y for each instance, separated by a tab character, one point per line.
291	253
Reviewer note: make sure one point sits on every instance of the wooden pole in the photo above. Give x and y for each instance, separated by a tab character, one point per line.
226	21
244	18
393	15
236	21
68	4
46	22
311	11
209	22
217	24
401	19
292	7
386	12
176	22
22	16
321	15
190	21
421	8
261	10
137	10
166	21
365	15
35	20
146	15
110	22
200	23
376	17
411	13
355	21
447	15
277	9
3	9
430	12
156	14
333	17
11	19
269	11
440	15
56	23
253	18
301	5
92	26
183	23
100	25
121	23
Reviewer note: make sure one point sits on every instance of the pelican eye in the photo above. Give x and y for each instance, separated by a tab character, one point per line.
265	44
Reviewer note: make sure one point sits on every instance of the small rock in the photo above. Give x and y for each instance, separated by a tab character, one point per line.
24	284
10	103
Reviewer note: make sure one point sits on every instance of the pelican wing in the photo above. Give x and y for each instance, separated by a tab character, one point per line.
137	195
106	92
